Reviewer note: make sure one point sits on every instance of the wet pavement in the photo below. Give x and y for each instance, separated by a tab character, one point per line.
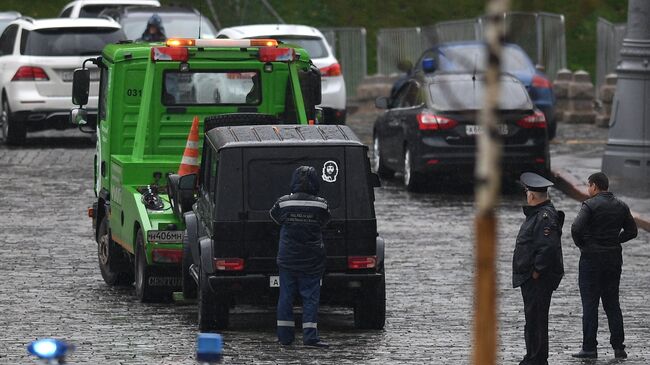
51	286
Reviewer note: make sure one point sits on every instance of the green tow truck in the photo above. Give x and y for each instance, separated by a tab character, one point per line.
149	94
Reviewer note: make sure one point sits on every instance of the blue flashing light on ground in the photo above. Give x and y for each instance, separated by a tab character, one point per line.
48	348
209	347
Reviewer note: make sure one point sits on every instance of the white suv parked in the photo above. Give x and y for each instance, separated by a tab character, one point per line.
37	60
313	41
92	8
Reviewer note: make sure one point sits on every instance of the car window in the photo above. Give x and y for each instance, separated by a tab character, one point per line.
92	11
470	58
66	12
406	96
313	45
76	41
103	93
212	88
453	95
8	40
175	25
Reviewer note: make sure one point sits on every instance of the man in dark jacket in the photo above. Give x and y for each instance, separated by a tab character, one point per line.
537	265
155	32
603	223
301	254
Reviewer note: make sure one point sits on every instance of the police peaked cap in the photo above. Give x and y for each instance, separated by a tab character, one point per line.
534	182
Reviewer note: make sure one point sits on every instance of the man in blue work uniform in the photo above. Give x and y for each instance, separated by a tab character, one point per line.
301	254
603	223
537	264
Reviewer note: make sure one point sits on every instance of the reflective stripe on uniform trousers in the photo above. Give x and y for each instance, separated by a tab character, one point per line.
302	203
286	324
310	325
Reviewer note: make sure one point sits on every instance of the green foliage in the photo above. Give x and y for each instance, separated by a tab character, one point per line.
580	16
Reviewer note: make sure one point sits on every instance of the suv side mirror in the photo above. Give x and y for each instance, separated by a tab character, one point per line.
79	116
80	86
187	182
381	102
316	86
429	65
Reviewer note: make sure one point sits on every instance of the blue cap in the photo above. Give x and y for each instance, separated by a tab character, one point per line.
209	347
48	348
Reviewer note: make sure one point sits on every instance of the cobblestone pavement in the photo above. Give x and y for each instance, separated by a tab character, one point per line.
51	286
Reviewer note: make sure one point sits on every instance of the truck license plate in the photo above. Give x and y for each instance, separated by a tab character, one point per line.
165	236
475	130
274	281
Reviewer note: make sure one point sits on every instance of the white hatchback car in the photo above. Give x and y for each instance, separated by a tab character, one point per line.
92	8
313	41
37	61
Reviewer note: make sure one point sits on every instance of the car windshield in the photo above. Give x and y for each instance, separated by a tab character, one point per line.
68	41
212	88
470	58
176	25
459	95
313	45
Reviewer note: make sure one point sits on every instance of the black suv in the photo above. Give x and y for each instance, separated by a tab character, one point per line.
232	243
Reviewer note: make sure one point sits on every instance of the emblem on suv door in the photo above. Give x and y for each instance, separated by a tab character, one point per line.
330	171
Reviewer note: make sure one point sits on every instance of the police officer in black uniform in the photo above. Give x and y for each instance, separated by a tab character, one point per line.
301	254
603	223
537	265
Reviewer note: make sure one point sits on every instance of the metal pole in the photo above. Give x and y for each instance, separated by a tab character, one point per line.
488	188
627	154
272	11
214	14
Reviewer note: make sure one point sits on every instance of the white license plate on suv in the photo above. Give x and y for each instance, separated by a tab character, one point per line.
165	236
475	130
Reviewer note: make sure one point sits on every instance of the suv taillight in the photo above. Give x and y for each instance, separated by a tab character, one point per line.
331	70
30	73
230	264
362	262
432	122
536	120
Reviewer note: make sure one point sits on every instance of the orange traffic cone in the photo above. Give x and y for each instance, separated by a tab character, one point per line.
190	161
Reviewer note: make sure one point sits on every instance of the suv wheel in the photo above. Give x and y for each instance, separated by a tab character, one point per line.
112	264
213	311
13	131
377	162
370	306
146	292
189	285
413	180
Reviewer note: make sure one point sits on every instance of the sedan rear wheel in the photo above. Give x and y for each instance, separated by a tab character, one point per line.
413	180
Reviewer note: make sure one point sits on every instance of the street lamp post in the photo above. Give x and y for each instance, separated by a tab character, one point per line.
627	154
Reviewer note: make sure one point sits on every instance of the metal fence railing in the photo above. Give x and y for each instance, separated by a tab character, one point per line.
349	46
541	35
608	48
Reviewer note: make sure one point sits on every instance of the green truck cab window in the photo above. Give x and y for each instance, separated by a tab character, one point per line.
212	88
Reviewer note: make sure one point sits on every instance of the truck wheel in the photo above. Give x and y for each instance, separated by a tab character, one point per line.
413	180
189	285
213	311
146	292
370	307
378	162
112	264
13	132
239	119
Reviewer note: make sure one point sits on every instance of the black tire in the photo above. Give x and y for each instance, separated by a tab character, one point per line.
13	132
370	307
113	264
214	311
145	292
413	180
239	119
378	162
189	285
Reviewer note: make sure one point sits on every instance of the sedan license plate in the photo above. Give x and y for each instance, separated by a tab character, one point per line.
274	281
475	130
165	236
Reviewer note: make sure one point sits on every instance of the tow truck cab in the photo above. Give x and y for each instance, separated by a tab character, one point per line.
233	242
149	94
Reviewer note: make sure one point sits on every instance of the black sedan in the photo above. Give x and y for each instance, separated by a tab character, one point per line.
430	126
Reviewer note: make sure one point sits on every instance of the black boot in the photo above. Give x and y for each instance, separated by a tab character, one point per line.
586	355
620	354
